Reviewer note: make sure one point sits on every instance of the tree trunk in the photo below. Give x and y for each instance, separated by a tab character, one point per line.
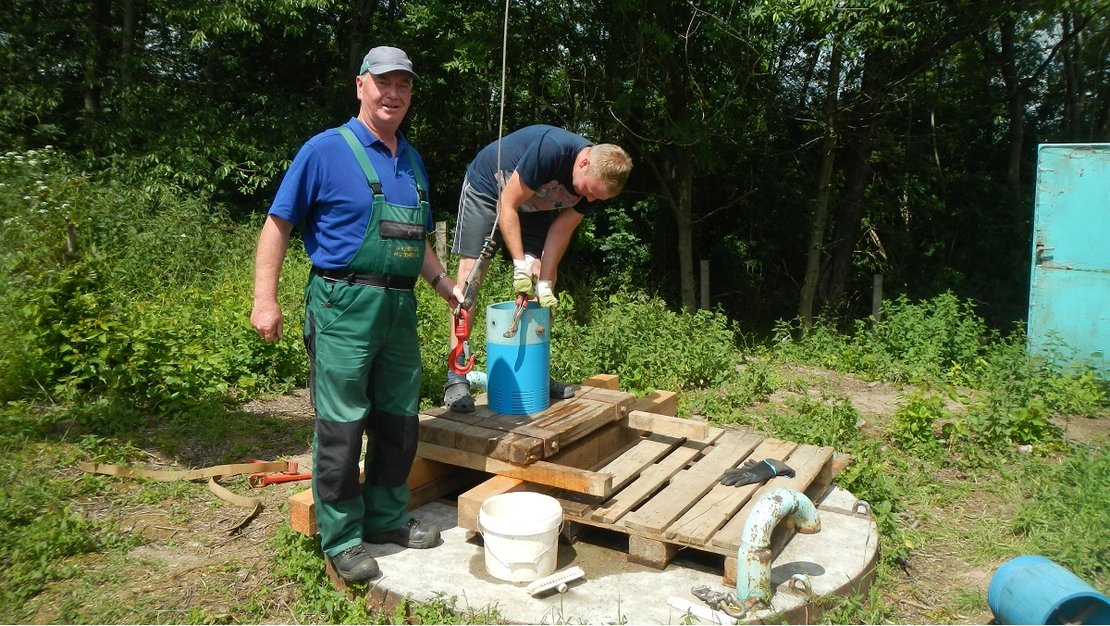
127	46
857	151
358	32
1015	100
1072	57
824	179
683	208
100	12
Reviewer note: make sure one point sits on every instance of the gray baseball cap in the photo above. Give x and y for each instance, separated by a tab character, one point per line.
383	59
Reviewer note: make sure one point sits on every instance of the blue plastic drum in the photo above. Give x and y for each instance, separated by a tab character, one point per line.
518	367
1032	589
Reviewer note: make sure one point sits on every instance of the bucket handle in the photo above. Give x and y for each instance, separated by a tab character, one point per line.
510	565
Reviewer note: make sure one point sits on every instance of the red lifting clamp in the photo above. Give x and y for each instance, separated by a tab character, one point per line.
461	360
261	479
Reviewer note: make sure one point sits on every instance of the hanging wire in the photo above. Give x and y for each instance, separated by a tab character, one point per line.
501	118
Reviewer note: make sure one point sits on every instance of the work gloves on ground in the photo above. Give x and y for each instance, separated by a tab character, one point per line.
523	277
752	472
546	293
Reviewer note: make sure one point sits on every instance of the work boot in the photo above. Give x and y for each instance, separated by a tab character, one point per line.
558	390
355	565
456	396
414	534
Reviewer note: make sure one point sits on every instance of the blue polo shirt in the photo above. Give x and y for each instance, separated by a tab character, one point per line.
326	194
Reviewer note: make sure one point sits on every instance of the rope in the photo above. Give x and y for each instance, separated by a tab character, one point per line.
501	118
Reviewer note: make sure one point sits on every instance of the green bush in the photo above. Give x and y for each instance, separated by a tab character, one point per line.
637	338
121	294
914	342
915	421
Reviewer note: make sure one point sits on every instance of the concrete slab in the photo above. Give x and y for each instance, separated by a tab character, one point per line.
839	559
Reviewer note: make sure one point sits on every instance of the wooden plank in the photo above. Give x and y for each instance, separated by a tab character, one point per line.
556	427
542	472
596	450
615	397
808	463
585	454
471	501
686	488
483	417
647	483
425	470
499	445
661	402
666	425
651	552
643	454
586	417
697	525
603	381
302	513
441	486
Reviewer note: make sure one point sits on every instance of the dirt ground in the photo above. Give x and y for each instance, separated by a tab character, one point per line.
194	562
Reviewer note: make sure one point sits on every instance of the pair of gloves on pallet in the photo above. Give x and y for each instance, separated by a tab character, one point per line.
524	281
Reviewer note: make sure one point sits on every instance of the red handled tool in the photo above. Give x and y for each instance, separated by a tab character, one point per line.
261	479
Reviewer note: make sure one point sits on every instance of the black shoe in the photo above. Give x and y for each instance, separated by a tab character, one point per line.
456	396
355	564
559	391
414	534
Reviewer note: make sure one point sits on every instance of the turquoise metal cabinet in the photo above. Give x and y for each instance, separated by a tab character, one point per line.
1069	292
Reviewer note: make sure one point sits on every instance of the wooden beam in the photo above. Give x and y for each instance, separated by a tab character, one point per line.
666	425
471	501
662	402
604	381
542	472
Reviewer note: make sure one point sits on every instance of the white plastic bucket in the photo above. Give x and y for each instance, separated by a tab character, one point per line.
521	532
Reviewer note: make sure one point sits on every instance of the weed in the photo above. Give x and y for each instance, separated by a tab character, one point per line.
818	421
915	420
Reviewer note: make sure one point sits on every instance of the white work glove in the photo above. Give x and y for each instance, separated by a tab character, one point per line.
546	293
522	275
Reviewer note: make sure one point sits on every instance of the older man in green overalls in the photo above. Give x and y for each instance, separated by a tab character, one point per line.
360	194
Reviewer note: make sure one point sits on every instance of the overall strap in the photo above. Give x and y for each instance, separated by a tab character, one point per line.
421	184
363	160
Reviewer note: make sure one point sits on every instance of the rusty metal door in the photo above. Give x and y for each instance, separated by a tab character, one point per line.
1069	292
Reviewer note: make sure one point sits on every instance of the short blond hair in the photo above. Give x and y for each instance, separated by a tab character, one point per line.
610	164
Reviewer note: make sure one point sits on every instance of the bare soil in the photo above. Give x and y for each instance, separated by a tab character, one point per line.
188	560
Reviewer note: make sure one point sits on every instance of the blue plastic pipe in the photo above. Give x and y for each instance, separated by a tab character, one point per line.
753	558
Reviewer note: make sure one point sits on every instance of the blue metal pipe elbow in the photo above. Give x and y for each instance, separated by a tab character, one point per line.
753	558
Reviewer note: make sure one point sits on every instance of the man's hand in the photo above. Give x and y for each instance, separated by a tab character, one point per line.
267	320
522	275
546	294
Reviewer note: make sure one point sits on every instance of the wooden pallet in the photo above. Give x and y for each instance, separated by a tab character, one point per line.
664	492
524	439
669	497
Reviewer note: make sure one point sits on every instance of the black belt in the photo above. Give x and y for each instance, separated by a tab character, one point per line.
387	281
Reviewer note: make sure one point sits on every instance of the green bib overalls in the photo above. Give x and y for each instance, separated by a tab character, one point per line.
360	333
